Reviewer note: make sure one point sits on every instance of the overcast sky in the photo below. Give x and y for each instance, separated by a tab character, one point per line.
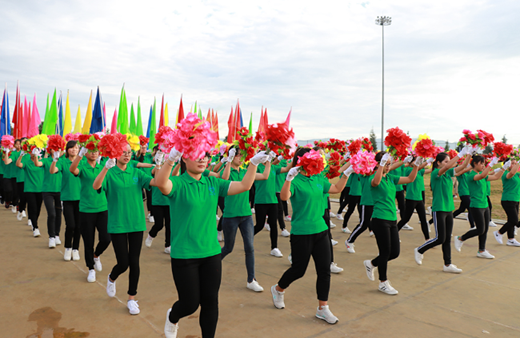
449	65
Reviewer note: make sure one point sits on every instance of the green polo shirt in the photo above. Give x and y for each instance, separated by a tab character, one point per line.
349	181
90	201
51	182
384	197
70	184
488	187
511	187
192	205
237	205
33	175
463	184
307	218
2	164
280	179
442	190
413	190
399	172
477	191
8	168
123	191
366	191
15	171
265	191
355	186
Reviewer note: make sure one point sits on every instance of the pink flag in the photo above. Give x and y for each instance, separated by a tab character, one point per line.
288	120
35	120
26	117
113	128
104	118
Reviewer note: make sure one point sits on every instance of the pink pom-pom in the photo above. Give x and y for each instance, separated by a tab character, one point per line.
363	162
193	137
8	141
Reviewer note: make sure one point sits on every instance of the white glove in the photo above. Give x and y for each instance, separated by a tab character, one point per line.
463	152
224	160
6	151
346	156
418	161
213	163
261	157
98	160
175	155
408	159
56	156
327	156
110	163
498	169
292	173
493	162
82	152
36	152
232	154
472	150
280	158
348	171
22	153
159	158
430	160
506	165
385	159
272	155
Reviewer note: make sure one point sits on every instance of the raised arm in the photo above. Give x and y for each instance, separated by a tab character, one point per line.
227	170
74	166
98	182
19	163
265	175
410	178
340	184
237	187
514	169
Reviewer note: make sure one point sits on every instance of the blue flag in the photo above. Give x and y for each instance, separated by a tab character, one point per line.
149	122
98	123
5	121
59	125
241	121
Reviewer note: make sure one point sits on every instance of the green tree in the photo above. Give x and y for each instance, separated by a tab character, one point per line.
373	139
488	150
447	146
504	139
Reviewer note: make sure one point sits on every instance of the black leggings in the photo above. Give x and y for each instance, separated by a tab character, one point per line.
326	217
387	237
281	221
366	216
22	203
302	248
72	224
34	201
197	282
353	202
270	210
162	219
285	208
511	209
149	201
343	199
89	223
464	205
443	222
490	206
221	204
482	218
53	205
399	196
252	196
127	248
7	190
410	207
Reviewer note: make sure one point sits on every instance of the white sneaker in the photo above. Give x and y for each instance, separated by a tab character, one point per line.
168	250
467	216
334	268
326	315
346	230
370	269
13	209
387	288
218	218
133	307
451	268
516	231
290	258
429	211
513	242
220	236
350	247
52	243
332	214
255	286
58	240
68	254
24	214
252	210
148	241
407	227
418	256
485	254
170	329
371	233
288	218
151	220
332	225
75	255
19	216
334	243
285	233
91	278
29	223
36	233
492	224
111	287
267	227
458	243
278	297
276	252
498	237
97	264
338	216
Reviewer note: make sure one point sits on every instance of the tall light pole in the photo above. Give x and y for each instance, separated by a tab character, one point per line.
383	21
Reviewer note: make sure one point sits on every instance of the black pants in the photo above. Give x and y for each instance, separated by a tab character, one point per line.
270	210
221	204
89	223
53	205
419	207
252	196
387	237
72	224
366	217
285	208
16	194
464	205
353	202
7	191
326	217
281	221
302	248
149	201
34	201
162	219
127	248
197	282
511	209
22	201
343	199
399	196
490	206
443	222
482	218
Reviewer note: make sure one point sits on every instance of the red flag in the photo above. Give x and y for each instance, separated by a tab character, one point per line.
161	119
26	117
180	115
266	120
288	120
261	128
113	128
208	118
215	120
17	118
231	127
237	120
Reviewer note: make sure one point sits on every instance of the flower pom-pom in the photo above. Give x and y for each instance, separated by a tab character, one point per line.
354	146
56	143
246	144
72	137
133	141
38	141
502	150
7	141
143	140
113	145
398	142
164	138
334	164
280	136
193	137
363	163
311	163
425	148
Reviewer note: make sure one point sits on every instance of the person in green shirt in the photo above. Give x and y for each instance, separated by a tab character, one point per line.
367	208
309	233
479	206
140	158
20	179
196	253
2	168
282	205
384	219
10	194
70	195
510	201
353	201
51	192
462	178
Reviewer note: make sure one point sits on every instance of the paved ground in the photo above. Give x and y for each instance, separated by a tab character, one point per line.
44	296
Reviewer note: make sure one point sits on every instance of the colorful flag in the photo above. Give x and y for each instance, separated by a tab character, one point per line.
251	124
88	117
51	118
60	116
231	127
139	124
151	126
161	118
77	124
34	126
17	122
104	118
288	120
5	120
98	122
133	127
67	124
26	118
180	114
113	128
166	117
122	117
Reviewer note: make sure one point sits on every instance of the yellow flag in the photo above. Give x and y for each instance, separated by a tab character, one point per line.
67	124
77	125
88	117
166	118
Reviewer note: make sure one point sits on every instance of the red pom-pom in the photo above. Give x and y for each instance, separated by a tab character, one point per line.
280	136
311	163
56	143
425	148
398	142
143	140
113	145
83	138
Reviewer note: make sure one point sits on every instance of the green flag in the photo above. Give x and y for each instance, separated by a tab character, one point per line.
122	117
195	110
51	117
151	144
200	113
139	124
133	126
251	125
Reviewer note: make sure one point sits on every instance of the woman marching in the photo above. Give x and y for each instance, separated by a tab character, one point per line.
479	206
510	199
442	206
367	208
462	178
384	219
92	210
309	232
52	199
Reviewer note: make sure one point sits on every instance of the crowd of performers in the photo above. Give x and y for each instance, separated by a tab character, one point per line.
106	194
